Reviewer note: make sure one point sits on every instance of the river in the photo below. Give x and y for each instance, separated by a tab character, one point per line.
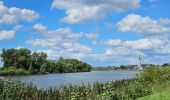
56	80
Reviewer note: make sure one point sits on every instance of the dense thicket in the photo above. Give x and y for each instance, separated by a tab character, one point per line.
153	79
29	62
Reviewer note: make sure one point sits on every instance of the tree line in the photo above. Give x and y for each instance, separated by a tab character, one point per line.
121	67
35	62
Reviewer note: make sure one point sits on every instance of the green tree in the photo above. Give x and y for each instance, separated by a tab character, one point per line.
38	63
43	68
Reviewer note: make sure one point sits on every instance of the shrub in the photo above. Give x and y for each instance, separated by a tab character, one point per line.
13	71
20	71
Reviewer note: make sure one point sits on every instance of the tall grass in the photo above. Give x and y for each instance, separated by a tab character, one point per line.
115	90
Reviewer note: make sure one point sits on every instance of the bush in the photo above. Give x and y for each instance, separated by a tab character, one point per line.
155	74
13	71
20	71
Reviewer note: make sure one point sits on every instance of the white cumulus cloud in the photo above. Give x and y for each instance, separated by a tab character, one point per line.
143	43
9	34
142	25
91	35
39	27
112	42
62	39
14	14
78	11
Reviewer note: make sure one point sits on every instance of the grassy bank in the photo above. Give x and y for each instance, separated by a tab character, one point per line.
160	92
144	85
163	95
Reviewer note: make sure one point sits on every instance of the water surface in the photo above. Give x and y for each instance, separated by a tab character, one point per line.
56	80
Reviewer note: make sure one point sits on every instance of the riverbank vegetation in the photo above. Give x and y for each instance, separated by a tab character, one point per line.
23	61
121	67
125	67
152	80
160	92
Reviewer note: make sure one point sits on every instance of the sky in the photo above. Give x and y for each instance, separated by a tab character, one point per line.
99	32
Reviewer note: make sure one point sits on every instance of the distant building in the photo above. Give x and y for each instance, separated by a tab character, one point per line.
139	64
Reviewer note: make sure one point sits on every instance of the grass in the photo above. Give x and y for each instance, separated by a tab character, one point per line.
160	92
163	95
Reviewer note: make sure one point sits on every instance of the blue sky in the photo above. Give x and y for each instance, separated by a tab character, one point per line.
100	32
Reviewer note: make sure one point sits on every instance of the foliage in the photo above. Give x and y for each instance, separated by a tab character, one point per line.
162	94
37	63
13	71
122	67
103	68
156	74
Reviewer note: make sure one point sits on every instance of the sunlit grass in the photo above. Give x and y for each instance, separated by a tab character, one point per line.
163	95
160	92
